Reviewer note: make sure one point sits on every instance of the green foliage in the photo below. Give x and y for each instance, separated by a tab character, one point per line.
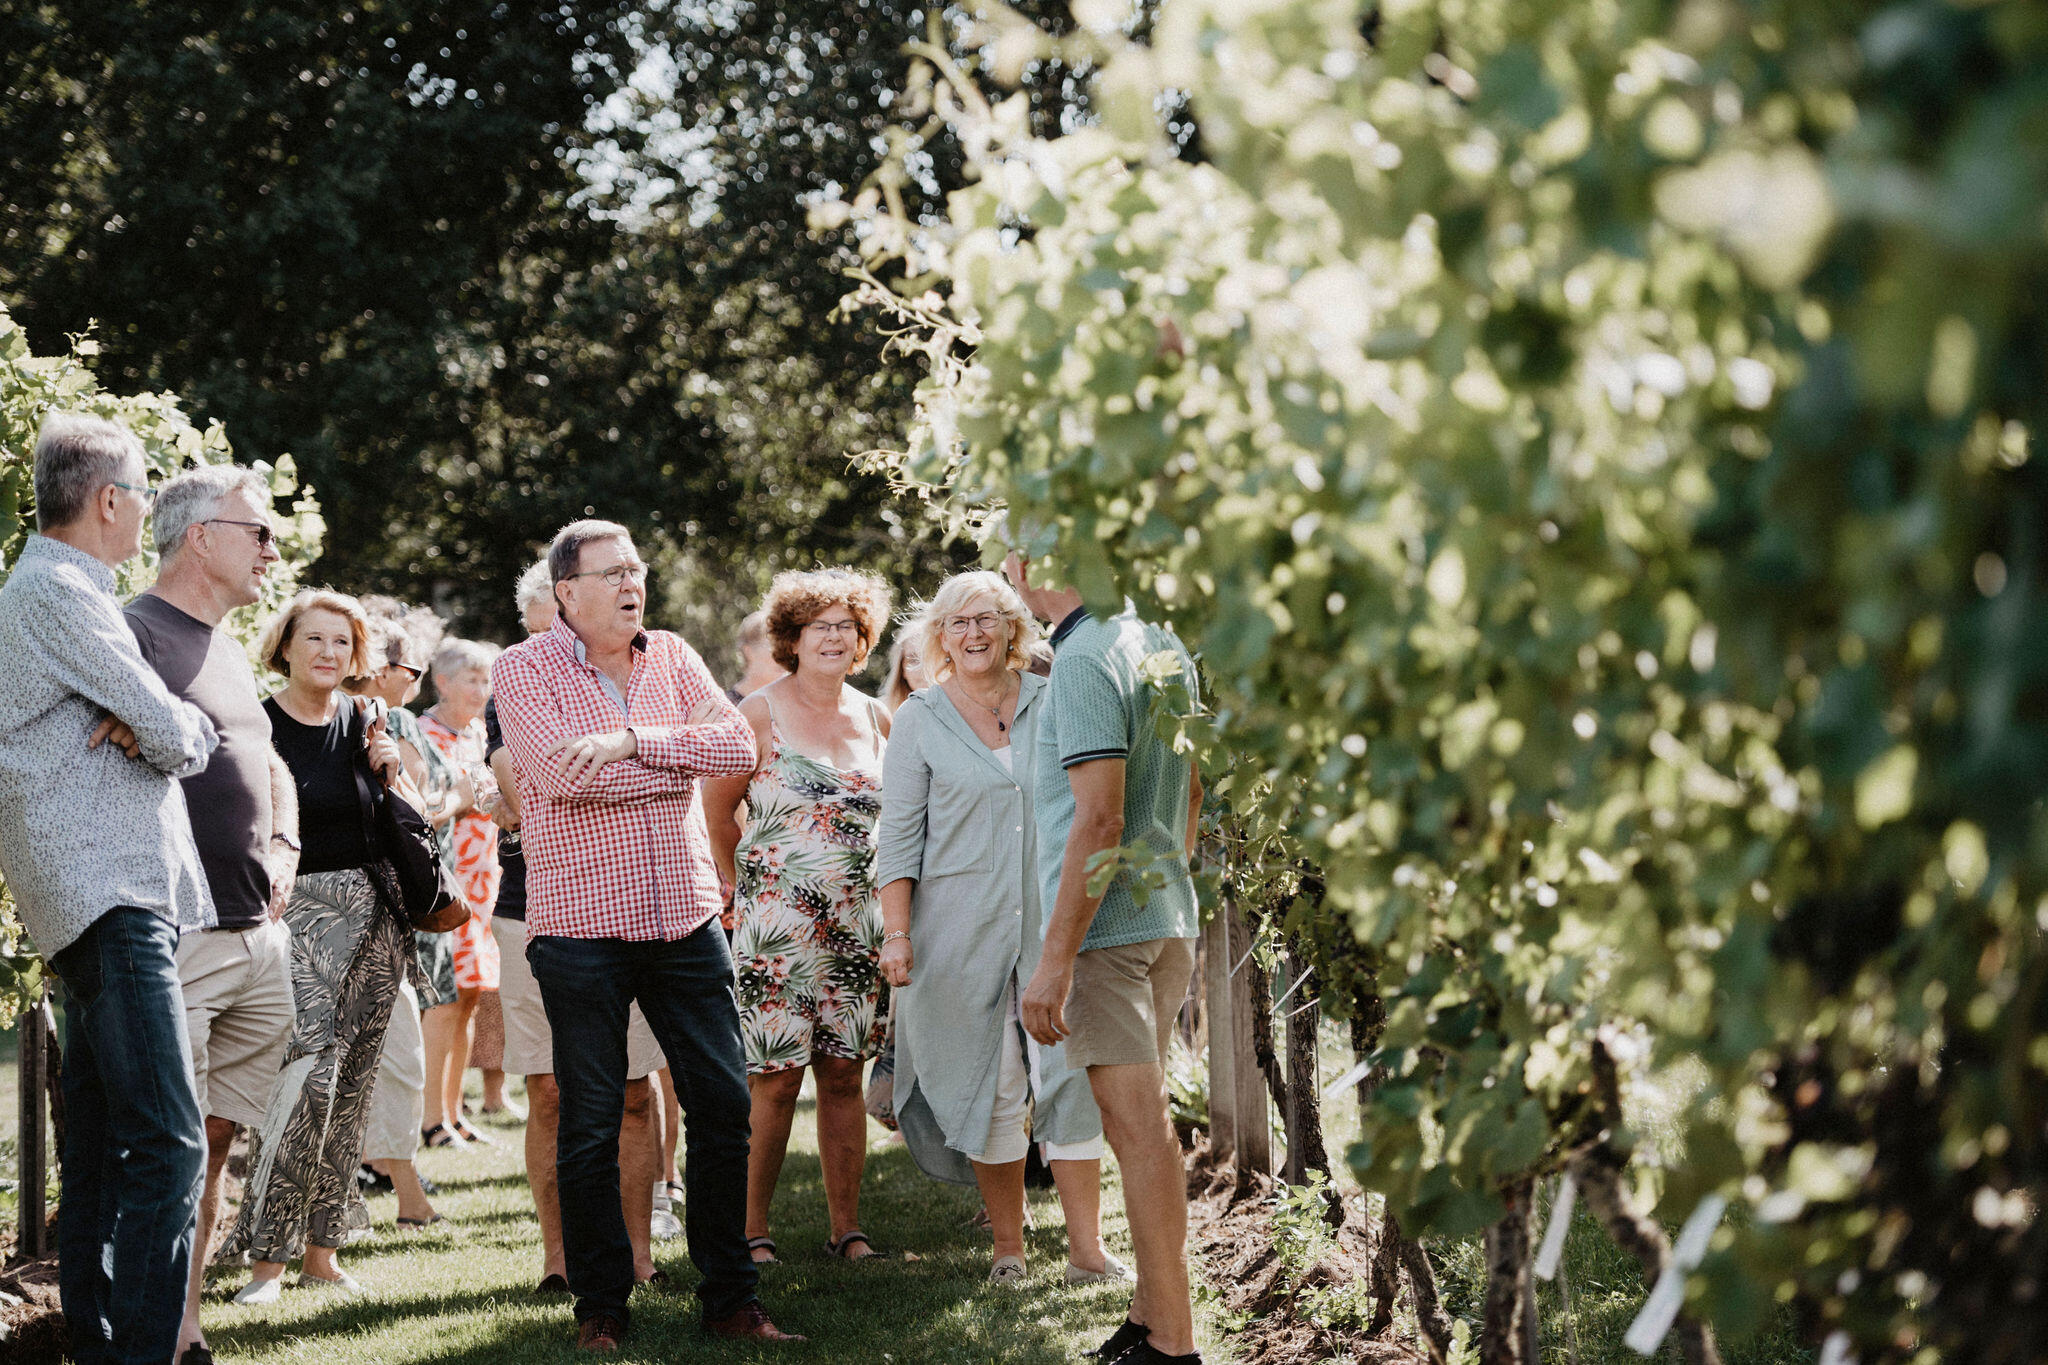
478	282
32	387
1590	447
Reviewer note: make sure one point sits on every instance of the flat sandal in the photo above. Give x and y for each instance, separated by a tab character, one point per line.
838	1246
756	1243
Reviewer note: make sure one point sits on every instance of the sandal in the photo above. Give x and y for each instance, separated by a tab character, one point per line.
421	1222
839	1246
469	1134
754	1244
440	1135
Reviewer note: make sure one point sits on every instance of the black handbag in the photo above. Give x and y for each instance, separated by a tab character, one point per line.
401	836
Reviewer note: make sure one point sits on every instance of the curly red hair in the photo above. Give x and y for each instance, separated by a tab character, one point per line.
798	597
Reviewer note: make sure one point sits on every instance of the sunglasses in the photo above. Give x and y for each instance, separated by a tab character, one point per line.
265	536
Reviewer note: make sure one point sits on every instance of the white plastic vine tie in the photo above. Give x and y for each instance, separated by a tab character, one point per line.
1246	958
1348	1079
1653	1324
1552	1249
1835	1350
1295	987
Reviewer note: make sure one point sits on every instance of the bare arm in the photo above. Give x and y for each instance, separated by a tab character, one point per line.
1098	826
897	955
723	797
282	858
507	813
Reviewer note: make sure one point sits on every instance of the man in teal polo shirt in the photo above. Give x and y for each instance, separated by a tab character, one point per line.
1114	972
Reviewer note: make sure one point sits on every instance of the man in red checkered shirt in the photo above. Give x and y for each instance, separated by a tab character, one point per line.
610	726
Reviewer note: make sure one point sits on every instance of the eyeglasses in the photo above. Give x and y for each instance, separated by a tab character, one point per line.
265	536
820	629
987	621
147	493
615	576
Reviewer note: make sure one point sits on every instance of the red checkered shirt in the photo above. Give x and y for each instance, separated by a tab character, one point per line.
627	855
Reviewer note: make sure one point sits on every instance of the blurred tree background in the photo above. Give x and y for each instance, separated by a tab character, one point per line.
482	267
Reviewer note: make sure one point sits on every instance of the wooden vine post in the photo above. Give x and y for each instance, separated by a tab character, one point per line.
1238	1128
37	1031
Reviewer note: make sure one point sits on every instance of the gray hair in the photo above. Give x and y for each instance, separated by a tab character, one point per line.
566	550
76	456
389	643
196	495
460	656
419	627
753	631
533	586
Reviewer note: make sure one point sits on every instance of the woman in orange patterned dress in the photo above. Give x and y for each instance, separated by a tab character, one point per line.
454	725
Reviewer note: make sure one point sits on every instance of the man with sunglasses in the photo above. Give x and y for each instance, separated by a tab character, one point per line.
216	543
98	853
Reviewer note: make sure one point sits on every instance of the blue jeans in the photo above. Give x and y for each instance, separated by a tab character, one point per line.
134	1155
686	992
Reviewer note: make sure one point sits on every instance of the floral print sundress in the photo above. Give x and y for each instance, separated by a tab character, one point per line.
476	856
808	939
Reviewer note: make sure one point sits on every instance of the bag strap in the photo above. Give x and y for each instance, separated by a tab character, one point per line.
359	768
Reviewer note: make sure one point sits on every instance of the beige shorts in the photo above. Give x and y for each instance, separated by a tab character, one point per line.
529	1044
238	1015
1124	1001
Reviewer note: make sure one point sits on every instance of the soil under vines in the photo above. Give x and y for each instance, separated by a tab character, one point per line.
1231	1234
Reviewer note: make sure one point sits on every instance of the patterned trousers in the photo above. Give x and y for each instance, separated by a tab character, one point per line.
349	956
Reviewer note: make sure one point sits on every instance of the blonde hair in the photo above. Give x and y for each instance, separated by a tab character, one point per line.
799	596
927	624
897	689
277	636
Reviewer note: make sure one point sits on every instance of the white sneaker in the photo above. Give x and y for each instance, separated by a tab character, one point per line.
664	1225
1112	1270
1007	1270
260	1291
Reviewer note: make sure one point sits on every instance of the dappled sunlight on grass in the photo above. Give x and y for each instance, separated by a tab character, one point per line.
460	1293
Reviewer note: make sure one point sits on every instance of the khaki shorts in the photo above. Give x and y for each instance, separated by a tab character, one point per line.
529	1043
238	1015
1124	1001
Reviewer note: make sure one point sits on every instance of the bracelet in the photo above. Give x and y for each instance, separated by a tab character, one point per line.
895	934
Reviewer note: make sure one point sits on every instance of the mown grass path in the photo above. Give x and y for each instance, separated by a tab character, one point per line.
460	1293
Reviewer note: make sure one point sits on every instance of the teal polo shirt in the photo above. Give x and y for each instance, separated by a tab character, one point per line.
1098	705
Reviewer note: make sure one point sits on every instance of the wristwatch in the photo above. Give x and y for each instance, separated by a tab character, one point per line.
288	841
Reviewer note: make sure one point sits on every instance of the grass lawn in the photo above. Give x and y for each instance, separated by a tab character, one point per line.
458	1294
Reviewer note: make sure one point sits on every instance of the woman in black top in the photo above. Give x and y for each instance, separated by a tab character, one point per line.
351	949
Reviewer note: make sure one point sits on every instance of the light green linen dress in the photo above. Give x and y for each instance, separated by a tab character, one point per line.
960	825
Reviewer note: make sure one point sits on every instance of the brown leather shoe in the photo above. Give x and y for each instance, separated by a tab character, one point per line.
749	1324
599	1332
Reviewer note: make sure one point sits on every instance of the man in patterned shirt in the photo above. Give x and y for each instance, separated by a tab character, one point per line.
98	851
1114	969
611	726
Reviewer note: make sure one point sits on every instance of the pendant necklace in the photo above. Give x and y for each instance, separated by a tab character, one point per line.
995	712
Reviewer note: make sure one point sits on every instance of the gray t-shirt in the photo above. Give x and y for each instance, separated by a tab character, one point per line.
230	800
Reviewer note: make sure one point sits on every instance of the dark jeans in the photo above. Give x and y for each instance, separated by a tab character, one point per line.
134	1155
685	990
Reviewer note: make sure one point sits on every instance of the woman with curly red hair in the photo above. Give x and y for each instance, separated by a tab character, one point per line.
808	930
